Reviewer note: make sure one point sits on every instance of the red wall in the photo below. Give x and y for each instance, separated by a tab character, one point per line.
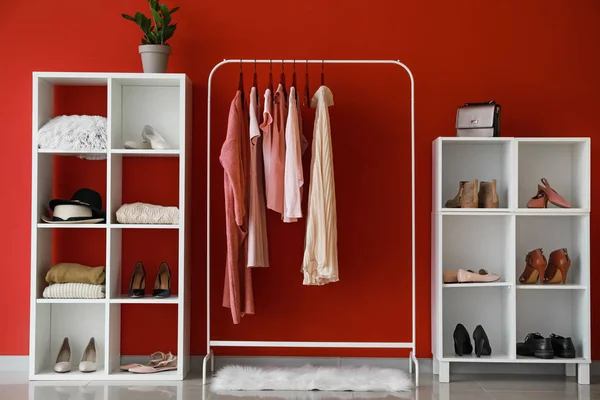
539	59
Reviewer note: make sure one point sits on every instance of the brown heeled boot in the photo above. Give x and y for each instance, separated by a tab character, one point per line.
534	269
558	267
488	198
466	197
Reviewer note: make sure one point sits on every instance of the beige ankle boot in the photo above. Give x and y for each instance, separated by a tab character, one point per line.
467	196
488	198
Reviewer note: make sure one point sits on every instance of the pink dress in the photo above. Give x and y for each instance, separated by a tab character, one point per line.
237	293
258	249
274	153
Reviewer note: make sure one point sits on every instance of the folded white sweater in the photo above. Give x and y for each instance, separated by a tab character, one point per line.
143	213
74	291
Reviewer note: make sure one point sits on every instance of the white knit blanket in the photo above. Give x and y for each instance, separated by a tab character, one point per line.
360	379
143	213
74	291
74	132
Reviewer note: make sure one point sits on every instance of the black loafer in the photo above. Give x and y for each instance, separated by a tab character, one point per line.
563	347
537	346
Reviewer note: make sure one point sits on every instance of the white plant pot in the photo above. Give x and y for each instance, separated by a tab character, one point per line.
155	57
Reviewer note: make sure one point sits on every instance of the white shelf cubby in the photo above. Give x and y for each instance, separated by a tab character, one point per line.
499	239
466	159
564	162
129	101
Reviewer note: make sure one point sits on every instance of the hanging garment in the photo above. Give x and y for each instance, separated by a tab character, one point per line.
295	146
320	264
237	293
274	145
267	142
258	249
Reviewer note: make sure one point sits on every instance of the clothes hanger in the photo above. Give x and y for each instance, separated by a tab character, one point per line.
306	92
282	80
294	81
241	83
255	82
271	76
323	73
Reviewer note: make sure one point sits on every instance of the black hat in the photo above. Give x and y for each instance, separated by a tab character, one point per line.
83	200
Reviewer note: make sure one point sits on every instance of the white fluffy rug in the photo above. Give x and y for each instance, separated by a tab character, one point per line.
359	379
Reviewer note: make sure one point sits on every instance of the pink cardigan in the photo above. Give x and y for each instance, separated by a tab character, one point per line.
237	293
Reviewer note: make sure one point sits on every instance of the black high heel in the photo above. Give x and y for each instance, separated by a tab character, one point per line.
137	285
162	283
462	341
481	341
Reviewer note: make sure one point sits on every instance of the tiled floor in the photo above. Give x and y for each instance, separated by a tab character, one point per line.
14	386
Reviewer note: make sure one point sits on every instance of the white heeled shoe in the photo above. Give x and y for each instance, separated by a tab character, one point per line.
151	139
63	360
89	357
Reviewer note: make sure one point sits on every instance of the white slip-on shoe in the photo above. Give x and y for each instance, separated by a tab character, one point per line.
132	144
89	357
63	360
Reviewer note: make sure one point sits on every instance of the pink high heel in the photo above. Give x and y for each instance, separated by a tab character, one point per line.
554	197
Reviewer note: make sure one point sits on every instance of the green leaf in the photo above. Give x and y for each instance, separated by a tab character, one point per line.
157	19
146	23
166	14
173	10
168	32
152	38
144	41
128	17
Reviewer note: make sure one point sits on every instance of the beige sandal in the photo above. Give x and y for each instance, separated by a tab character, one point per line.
155	358
169	364
482	276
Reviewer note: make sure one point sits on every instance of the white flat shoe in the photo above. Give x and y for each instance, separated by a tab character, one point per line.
89	357
63	360
482	276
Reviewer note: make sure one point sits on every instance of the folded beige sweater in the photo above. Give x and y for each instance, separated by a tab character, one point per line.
76	273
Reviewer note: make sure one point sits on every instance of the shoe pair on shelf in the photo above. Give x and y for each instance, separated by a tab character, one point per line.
546	194
468	276
88	358
468	195
551	272
162	283
537	346
462	342
158	362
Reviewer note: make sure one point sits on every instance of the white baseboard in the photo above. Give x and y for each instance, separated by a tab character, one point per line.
14	363
21	363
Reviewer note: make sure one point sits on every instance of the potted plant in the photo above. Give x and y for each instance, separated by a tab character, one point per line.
157	30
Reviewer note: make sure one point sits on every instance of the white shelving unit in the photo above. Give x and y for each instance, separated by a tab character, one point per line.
133	100
499	239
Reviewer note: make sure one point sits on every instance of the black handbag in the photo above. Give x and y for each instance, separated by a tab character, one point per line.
478	120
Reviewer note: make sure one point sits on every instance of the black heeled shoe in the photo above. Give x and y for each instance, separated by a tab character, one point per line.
462	341
137	285
481	341
162	283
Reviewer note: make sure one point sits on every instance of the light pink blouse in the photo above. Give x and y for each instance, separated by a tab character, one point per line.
258	249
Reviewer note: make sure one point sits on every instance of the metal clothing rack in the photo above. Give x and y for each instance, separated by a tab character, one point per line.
374	345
